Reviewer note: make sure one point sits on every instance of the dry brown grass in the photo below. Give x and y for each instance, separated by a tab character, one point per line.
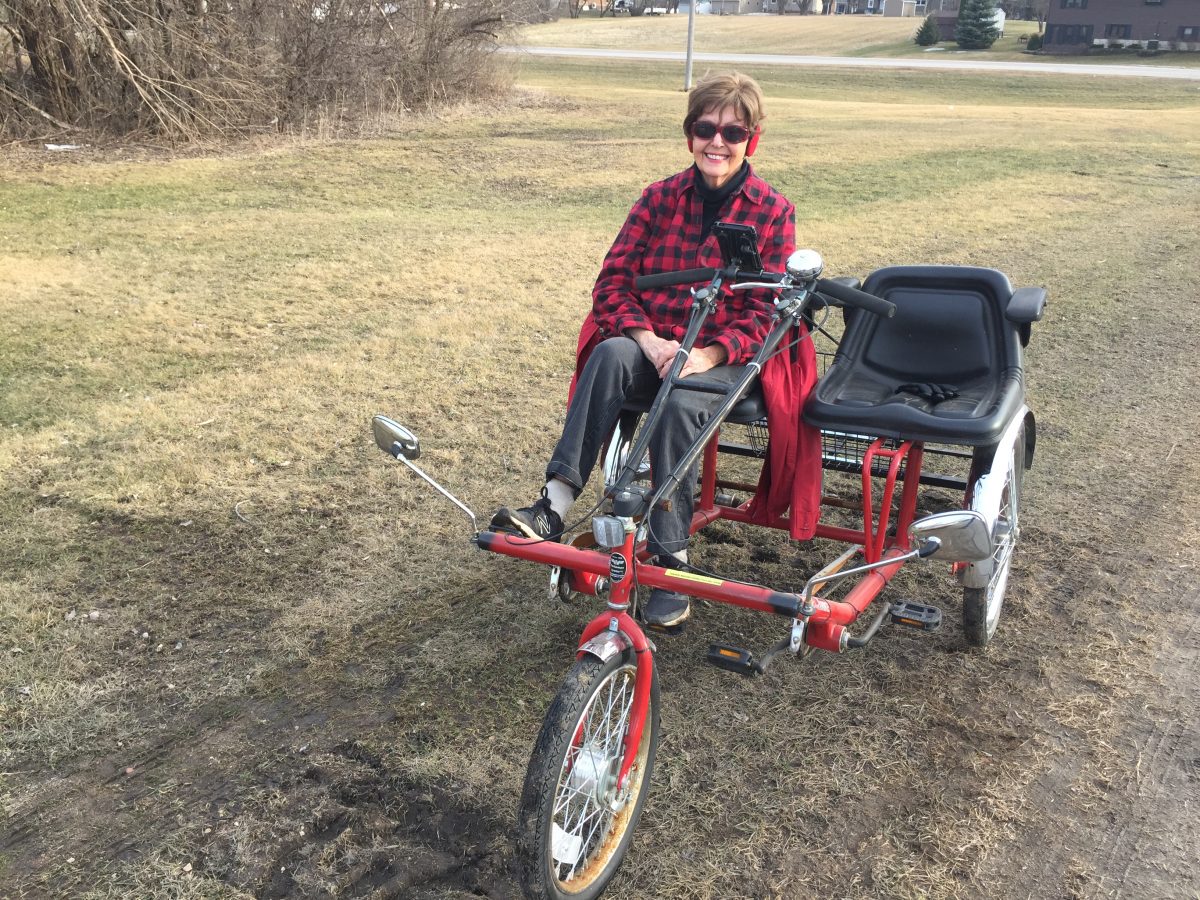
293	636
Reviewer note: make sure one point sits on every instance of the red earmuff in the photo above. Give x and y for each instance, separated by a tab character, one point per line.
753	145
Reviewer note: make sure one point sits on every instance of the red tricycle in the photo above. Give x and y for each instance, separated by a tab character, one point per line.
929	365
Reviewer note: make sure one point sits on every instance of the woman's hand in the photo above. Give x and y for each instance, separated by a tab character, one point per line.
659	351
703	359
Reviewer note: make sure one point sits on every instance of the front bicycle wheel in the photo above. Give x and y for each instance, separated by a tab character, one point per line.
574	825
982	605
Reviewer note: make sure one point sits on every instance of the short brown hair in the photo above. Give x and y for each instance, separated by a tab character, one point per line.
733	89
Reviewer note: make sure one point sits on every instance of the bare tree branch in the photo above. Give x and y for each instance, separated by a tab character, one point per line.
41	112
184	68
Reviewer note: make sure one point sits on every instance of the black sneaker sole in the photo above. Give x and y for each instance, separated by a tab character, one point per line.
506	520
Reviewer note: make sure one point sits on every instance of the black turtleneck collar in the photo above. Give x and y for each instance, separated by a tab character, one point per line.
714	198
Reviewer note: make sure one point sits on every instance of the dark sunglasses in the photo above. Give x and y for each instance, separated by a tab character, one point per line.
733	134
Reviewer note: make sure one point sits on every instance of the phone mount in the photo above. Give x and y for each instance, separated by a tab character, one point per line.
739	246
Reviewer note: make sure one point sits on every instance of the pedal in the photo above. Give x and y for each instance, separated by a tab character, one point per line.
916	615
733	659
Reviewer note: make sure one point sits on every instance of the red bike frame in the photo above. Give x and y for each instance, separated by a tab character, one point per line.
593	570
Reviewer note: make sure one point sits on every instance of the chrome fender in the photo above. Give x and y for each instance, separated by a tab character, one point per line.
605	645
989	492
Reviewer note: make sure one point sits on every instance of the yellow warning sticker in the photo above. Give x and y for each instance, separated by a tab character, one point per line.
692	576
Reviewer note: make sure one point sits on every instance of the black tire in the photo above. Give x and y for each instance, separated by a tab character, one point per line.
981	606
594	702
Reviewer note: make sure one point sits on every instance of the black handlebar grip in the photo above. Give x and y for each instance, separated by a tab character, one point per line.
856	298
666	279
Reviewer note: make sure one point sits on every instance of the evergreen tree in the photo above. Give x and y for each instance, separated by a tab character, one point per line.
976	29
928	34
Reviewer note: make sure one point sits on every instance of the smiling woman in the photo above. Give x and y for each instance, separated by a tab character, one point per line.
632	336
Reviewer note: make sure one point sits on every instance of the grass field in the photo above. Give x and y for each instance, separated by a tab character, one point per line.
802	36
243	654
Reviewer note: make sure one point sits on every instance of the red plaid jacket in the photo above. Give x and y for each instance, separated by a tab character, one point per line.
661	228
662	234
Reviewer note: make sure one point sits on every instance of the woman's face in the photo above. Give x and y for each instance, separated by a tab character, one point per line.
717	160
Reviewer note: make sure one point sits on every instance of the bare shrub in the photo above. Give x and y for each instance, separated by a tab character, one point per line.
184	68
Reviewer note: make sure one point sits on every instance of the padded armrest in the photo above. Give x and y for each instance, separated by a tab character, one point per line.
1027	305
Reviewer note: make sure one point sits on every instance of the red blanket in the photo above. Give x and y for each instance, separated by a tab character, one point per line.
791	473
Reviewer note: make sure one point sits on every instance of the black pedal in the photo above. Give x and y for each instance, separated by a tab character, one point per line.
916	615
733	659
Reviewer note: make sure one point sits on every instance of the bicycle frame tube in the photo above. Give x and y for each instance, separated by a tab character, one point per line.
622	563
702	305
735	593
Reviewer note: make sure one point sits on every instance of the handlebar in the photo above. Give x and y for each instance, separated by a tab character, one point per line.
691	276
666	279
843	294
849	296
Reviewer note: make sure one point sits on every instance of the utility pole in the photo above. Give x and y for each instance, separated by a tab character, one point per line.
687	69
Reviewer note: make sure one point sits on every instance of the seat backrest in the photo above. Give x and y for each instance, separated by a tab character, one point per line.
949	326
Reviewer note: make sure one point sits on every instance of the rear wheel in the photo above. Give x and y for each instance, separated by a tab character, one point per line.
574	825
981	605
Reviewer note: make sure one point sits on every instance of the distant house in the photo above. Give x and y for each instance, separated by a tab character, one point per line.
903	8
801	7
945	15
1076	26
920	8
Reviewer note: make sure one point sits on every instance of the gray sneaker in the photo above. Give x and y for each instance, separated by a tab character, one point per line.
667	609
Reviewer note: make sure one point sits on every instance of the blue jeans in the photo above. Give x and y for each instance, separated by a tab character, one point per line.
616	371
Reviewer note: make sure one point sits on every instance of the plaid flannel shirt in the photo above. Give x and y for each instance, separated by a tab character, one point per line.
662	234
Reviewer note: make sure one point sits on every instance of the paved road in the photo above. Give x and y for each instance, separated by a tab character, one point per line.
773	59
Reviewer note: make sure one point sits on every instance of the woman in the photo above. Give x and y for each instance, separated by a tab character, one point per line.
632	336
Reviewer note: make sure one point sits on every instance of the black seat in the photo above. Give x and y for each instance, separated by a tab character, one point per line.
946	368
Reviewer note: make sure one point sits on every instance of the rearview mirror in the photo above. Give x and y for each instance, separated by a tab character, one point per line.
394	439
963	535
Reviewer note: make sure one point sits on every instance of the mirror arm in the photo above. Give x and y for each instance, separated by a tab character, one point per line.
806	606
445	493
